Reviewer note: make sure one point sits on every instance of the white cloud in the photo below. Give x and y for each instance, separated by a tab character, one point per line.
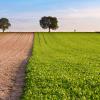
84	13
84	19
78	13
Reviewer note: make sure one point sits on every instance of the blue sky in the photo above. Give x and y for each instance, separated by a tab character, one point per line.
25	14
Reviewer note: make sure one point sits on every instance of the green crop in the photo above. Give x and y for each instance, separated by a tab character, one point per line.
64	66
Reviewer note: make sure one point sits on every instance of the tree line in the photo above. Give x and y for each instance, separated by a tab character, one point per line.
46	22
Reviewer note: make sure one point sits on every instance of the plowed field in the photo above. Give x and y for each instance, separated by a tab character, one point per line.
15	48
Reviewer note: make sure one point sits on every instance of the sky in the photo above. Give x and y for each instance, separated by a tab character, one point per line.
24	15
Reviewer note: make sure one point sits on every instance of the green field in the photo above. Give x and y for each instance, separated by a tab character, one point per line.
64	66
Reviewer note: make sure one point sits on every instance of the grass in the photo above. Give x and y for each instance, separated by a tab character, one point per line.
64	66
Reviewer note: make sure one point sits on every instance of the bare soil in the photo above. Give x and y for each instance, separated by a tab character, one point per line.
15	49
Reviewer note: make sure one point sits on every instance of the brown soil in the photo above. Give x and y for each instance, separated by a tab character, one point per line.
15	48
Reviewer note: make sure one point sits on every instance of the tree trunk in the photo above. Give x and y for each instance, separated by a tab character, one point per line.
49	29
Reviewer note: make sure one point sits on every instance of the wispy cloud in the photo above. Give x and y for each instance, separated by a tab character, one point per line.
83	19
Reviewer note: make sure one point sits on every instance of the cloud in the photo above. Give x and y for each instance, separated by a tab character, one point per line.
85	13
83	19
78	13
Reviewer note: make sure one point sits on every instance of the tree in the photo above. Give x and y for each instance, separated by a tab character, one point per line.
49	22
4	24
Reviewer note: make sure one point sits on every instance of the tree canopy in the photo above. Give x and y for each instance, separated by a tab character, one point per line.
4	24
49	22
